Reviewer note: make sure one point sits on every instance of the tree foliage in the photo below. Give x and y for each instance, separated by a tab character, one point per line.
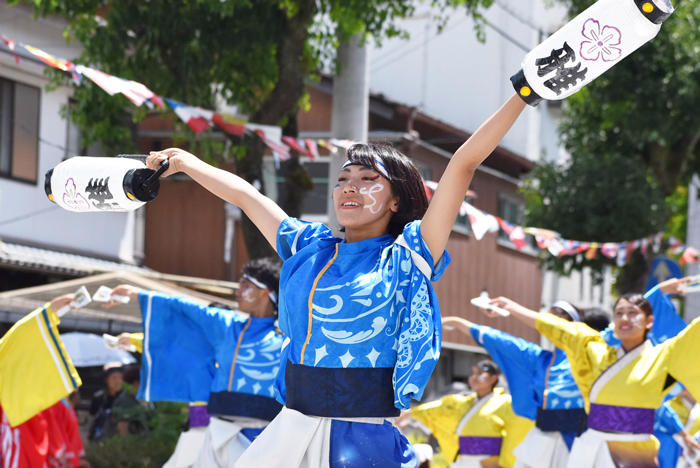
633	138
256	54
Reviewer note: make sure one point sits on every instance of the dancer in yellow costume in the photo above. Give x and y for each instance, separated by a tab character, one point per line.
35	369
621	387
478	430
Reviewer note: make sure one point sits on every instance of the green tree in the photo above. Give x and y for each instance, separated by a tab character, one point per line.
257	54
633	138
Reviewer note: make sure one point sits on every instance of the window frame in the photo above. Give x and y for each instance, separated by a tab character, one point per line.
9	176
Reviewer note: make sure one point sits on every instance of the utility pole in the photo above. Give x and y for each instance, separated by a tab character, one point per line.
692	301
350	113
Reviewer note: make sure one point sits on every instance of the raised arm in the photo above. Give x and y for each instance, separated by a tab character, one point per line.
264	212
454	183
522	313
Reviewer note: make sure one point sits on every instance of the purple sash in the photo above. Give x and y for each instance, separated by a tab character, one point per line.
199	416
621	419
480	445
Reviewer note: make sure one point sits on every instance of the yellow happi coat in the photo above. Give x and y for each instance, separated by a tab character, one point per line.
494	419
641	383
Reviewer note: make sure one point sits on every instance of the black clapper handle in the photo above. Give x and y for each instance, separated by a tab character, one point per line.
142	157
154	177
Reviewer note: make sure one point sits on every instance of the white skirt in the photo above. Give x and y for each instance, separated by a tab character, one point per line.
223	443
187	449
591	450
541	450
294	440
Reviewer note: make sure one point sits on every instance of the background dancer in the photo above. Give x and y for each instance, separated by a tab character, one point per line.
542	388
478	430
360	317
677	423
621	388
196	353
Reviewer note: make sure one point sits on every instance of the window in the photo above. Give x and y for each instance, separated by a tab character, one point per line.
19	131
316	200
511	211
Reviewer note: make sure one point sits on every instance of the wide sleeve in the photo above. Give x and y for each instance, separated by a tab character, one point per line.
667	421
667	323
295	234
683	352
516	428
588	353
519	361
442	417
422	257
180	339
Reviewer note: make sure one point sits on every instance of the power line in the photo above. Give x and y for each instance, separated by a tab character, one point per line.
30	215
505	7
422	44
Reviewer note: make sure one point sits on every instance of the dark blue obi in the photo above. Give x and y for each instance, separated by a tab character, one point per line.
244	405
563	420
341	393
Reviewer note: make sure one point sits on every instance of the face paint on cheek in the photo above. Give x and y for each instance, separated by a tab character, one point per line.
637	321
482	377
246	295
376	188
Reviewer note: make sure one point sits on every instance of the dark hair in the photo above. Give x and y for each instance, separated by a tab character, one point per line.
489	366
596	318
266	270
406	181
638	300
132	375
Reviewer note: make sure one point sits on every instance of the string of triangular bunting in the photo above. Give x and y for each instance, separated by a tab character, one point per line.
552	242
197	119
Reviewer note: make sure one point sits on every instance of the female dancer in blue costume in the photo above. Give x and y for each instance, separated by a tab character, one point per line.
360	316
542	387
194	353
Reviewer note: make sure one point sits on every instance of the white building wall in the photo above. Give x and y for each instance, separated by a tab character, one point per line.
103	234
455	78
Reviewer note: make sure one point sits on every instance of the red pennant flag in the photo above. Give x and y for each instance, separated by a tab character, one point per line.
231	124
11	43
311	149
294	144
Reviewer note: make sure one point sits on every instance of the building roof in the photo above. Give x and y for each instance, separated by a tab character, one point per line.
29	257
15	304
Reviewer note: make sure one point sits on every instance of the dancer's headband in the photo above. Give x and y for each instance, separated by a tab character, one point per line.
569	309
261	285
377	160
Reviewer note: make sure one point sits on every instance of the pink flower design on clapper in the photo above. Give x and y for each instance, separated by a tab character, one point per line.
73	199
601	42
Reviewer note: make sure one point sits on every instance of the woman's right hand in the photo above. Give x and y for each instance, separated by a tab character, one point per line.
177	158
132	292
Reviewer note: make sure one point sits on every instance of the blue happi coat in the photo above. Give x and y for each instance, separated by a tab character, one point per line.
362	315
189	351
537	379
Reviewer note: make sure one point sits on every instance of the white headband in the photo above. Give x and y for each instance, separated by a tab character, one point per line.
261	285
380	166
569	309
